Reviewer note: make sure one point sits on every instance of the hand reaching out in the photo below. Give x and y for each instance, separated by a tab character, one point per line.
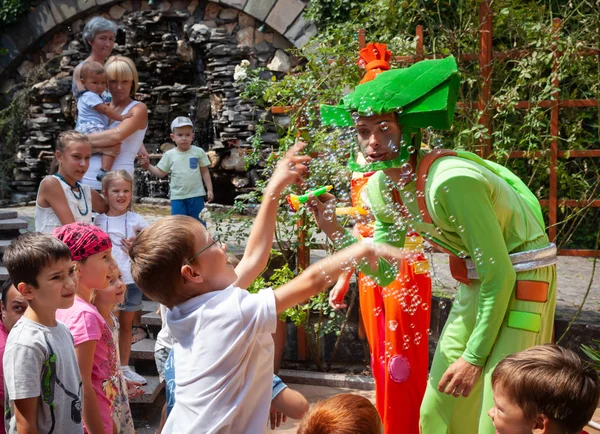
292	168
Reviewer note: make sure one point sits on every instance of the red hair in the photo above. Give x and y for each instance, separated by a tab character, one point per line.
342	414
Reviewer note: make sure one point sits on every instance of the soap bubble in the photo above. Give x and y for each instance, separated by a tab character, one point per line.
393	325
377	311
405	169
411	149
429	332
405	346
442	305
452	219
461	228
492	261
406	338
384	126
446	189
424	306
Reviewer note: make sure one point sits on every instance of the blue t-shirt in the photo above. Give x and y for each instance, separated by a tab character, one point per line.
86	113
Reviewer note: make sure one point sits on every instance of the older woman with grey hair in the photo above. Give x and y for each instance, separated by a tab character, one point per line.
99	34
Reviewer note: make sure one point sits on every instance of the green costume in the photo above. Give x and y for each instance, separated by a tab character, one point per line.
474	209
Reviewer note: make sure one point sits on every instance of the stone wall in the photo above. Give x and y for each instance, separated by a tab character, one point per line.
186	56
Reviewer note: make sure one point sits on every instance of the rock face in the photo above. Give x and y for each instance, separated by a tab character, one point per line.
186	60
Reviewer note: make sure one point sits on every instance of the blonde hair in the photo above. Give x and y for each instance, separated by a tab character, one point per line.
342	414
122	68
157	255
90	68
113	176
553	381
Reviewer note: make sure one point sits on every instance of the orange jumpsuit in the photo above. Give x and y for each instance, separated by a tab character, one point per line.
397	320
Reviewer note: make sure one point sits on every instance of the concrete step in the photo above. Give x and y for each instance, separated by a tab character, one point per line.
6	214
152	319
143	350
4	244
151	390
149	306
13	223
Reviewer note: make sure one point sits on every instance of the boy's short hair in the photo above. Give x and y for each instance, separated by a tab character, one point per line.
553	381
158	253
5	288
91	68
29	253
346	413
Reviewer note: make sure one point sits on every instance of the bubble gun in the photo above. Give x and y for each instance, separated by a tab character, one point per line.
296	201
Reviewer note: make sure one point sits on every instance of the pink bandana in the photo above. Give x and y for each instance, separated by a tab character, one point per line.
83	239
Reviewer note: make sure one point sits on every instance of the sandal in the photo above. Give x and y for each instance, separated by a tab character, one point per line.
139	332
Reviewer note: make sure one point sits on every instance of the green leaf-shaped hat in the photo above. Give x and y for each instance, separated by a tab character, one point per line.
423	95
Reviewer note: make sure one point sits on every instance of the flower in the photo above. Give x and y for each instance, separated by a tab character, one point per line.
245	63
240	73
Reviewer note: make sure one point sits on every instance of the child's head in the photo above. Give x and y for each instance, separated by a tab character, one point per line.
72	157
544	389
41	268
91	249
111	295
93	77
13	305
117	188
342	414
182	132
176	259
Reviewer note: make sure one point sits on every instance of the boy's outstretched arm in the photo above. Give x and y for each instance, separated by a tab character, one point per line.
322	274
289	170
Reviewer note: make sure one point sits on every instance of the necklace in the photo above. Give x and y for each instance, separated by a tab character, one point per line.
77	195
126	233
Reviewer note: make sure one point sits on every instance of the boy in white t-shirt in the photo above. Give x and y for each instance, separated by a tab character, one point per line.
188	167
224	348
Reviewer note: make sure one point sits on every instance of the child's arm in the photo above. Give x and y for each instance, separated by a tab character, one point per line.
291	403
99	204
26	415
290	169
318	276
207	183
111	113
52	195
154	171
91	411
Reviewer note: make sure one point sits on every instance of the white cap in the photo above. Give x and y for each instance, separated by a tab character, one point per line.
181	121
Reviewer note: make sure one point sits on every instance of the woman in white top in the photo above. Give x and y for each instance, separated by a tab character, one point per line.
61	198
122	83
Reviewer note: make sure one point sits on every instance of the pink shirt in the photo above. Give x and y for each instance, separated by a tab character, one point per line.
3	338
86	324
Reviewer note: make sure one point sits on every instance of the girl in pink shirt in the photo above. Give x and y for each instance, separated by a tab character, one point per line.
95	349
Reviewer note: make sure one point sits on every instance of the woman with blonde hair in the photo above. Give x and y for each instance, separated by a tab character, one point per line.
124	140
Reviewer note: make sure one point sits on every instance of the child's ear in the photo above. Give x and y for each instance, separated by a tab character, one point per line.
541	424
172	136
190	275
26	290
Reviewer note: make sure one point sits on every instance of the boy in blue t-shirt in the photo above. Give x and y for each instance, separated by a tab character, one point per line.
188	167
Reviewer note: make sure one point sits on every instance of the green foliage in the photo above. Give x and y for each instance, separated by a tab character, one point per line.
11	10
593	352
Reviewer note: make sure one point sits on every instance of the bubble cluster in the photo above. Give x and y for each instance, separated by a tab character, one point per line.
393	325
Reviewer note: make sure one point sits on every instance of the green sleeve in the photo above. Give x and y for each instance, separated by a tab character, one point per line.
464	202
386	231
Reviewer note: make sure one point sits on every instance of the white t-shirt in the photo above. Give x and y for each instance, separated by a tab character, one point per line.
118	227
223	362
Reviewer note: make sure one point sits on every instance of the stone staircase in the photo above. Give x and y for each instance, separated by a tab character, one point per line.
10	228
149	405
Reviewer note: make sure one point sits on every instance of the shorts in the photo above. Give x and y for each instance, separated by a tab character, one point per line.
133	299
278	386
192	206
90	127
160	357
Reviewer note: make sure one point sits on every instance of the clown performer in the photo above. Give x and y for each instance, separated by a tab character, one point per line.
396	322
477	211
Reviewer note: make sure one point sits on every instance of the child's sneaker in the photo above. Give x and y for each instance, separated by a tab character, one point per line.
131	375
101	174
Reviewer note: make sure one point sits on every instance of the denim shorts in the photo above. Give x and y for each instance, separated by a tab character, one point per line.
133	299
160	357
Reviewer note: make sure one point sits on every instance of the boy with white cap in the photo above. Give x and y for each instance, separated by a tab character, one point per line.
188	167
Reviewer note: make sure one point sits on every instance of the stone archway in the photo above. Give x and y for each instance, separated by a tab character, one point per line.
24	37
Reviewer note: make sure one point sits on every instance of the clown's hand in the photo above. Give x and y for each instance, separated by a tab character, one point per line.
323	208
460	378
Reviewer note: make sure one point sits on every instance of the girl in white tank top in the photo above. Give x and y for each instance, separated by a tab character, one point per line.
61	198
